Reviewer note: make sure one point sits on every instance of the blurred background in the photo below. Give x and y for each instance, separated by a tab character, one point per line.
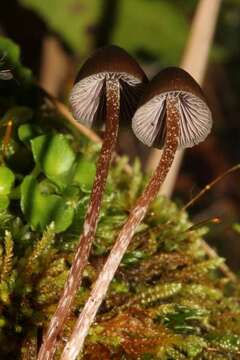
56	36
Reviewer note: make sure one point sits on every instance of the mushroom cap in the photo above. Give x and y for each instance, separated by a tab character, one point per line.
149	121
88	98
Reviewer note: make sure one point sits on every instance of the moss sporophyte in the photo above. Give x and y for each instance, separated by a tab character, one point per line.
167	300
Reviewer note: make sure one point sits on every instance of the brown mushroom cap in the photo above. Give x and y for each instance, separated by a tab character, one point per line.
149	121
87	98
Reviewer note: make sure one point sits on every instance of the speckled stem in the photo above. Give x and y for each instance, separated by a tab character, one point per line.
75	344
89	228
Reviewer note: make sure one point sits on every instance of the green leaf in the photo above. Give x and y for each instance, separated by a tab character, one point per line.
40	209
133	257
10	54
193	345
55	157
4	202
10	49
236	227
227	342
160	29
84	174
70	18
119	286
27	132
6	180
185	319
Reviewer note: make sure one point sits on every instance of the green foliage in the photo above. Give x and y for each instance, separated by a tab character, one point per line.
69	18
160	27
228	343
10	59
159	292
236	227
167	301
41	209
6	180
183	319
8	256
54	156
42	247
27	132
84	173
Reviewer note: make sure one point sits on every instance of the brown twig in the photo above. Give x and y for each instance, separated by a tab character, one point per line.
63	110
208	249
212	254
210	185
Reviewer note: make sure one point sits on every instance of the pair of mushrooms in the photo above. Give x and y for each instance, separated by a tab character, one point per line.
169	112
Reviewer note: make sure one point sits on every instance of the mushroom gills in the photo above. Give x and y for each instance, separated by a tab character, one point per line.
129	98
90	91
149	123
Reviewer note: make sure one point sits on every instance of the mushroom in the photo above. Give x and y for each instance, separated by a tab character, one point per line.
149	123
172	113
107	87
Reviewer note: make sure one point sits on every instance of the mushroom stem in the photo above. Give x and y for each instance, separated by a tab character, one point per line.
75	344
90	223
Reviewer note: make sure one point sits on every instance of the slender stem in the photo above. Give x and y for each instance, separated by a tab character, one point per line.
75	344
210	185
213	220
89	228
208	249
213	255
